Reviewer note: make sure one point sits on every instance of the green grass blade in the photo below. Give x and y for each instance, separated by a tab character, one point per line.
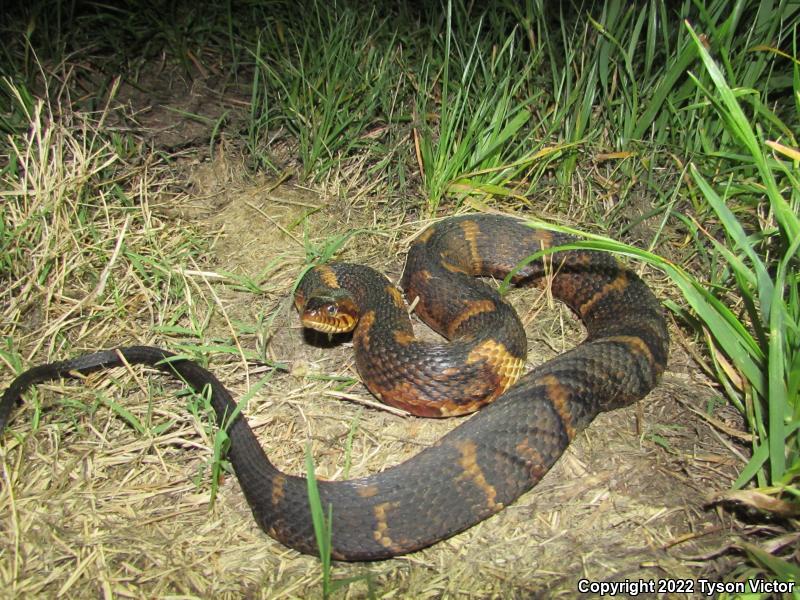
780	411
126	415
739	125
660	95
322	523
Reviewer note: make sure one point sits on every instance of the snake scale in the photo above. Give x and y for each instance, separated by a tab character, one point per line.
493	457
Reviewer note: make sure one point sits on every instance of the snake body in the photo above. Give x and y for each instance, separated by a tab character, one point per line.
492	458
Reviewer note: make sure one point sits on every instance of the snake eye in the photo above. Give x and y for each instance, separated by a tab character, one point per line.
332	309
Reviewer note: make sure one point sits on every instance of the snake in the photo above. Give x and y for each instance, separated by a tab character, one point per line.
495	455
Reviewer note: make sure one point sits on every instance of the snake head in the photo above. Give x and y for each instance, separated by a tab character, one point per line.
333	311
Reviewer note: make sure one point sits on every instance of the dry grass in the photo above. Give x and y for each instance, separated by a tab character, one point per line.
105	254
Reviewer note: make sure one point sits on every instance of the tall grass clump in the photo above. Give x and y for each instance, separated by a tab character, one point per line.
75	242
753	334
760	337
747	309
328	72
614	79
473	111
631	62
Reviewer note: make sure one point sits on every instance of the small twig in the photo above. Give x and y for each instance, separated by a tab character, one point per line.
292	202
717	423
367	402
271	220
687	537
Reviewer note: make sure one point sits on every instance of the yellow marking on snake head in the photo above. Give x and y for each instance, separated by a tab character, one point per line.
473	472
559	396
505	365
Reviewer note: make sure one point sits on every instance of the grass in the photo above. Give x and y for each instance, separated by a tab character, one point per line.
323	529
466	146
327	84
671	125
64	197
764	345
755	345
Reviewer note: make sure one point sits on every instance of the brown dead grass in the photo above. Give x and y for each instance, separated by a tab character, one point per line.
90	508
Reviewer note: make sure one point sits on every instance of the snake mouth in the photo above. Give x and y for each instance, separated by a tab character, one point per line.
329	314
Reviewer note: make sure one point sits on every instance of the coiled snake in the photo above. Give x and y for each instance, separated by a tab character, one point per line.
494	456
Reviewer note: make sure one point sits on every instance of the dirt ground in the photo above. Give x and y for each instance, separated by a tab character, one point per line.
91	508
